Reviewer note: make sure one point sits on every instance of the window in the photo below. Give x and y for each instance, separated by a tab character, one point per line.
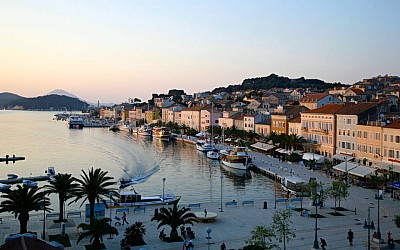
348	121
391	138
377	151
354	133
377	136
365	134
348	145
385	152
391	153
370	150
348	132
340	132
358	147
343	144
385	137
397	139
359	134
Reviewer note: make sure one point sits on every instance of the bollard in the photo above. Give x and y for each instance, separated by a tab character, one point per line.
355	211
156	212
62	229
265	204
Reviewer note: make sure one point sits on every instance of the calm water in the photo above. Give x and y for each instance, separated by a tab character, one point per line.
45	142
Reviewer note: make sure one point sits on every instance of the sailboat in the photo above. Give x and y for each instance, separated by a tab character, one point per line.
213	153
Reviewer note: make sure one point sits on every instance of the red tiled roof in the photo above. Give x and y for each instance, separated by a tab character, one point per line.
313	97
348	108
358	91
394	124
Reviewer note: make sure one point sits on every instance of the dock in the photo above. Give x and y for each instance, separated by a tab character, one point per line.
13	158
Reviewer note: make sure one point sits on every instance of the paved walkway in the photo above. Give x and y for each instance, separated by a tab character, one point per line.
234	224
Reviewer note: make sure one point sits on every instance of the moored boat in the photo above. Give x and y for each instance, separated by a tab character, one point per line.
75	121
12	176
125	126
4	187
235	158
203	146
114	128
131	198
29	183
213	154
144	130
161	132
293	184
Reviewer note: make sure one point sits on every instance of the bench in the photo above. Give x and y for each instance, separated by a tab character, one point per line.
281	200
74	214
139	209
194	205
55	215
120	210
251	203
230	203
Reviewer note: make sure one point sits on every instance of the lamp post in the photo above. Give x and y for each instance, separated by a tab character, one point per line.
378	232
347	171
208	231
391	180
316	245
369	225
110	194
44	218
221	193
163	188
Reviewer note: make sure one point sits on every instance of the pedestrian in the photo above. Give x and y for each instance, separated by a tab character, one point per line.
190	245
350	237
124	219
223	247
205	212
323	243
184	247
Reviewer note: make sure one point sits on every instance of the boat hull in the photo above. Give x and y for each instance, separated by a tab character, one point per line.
167	201
236	165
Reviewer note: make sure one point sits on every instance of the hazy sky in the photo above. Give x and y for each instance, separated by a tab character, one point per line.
113	50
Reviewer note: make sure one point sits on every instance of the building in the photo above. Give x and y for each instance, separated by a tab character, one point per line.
313	101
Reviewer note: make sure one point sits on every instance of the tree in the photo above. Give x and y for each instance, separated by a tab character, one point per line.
94	186
282	226
338	190
64	186
261	238
134	235
174	218
95	230
21	201
397	220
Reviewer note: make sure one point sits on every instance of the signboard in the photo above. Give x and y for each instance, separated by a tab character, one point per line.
99	211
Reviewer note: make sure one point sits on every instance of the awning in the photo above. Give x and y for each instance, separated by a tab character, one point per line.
311	156
342	166
362	171
395	184
388	166
262	146
341	157
283	151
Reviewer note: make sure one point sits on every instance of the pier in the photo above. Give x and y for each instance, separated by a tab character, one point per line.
31	178
13	158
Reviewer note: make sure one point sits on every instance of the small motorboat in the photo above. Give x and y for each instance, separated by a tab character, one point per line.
213	154
12	176
114	128
29	183
4	187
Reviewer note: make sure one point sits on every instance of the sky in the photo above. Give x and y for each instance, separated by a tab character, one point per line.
115	50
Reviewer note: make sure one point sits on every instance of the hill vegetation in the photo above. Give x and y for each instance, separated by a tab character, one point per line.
274	81
8	97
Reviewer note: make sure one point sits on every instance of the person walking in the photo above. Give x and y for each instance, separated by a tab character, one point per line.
124	219
190	245
350	237
323	243
205	212
223	247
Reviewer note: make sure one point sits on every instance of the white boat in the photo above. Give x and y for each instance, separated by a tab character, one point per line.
125	126
131	198
144	130
293	184
114	128
161	132
235	158
203	146
213	154
30	183
4	187
12	176
75	121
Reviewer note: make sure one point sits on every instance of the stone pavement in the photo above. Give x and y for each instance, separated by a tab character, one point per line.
234	224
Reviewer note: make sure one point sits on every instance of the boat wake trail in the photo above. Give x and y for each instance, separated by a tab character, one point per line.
140	178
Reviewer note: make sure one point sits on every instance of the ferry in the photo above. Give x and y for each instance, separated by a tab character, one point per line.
131	198
161	132
236	158
75	121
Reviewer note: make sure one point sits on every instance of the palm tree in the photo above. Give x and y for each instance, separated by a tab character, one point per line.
21	201
94	186
95	230
174	218
134	235
64	186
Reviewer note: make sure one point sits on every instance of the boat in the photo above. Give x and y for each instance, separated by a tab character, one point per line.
125	126
131	198
29	183
213	154
12	176
235	158
161	132
4	187
75	121
144	130
203	146
293	184
114	128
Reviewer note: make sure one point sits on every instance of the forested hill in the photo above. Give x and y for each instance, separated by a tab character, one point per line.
48	102
275	81
8	97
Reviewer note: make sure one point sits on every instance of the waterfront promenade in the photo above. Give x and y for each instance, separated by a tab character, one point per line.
234	224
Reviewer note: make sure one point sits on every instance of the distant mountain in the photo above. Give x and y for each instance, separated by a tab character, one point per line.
275	81
8	97
47	102
63	92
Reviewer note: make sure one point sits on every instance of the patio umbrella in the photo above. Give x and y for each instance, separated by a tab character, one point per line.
395	184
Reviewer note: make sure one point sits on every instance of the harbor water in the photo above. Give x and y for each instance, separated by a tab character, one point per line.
46	142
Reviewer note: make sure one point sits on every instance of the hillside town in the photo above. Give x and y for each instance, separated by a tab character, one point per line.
358	123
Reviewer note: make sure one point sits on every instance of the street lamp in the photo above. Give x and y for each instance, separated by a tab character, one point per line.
369	225
110	194
44	218
163	187
378	232
221	193
208	231
347	171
